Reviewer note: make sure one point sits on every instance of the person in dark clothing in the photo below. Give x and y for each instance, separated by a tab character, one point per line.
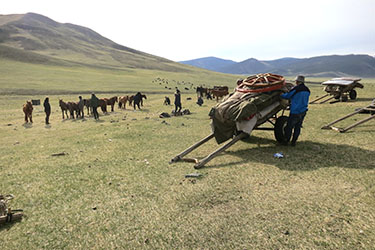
47	109
299	100
94	102
167	101
177	101
200	101
81	106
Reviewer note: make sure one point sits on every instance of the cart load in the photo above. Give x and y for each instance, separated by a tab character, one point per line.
255	101
339	89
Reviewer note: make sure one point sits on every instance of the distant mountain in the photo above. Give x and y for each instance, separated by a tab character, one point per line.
35	38
210	63
324	66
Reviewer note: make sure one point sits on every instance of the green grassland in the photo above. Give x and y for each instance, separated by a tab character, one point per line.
114	187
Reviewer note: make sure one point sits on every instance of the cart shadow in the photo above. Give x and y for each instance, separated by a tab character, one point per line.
7	227
364	99
306	156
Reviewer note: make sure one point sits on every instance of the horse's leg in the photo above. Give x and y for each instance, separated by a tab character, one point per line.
31	118
112	107
62	111
26	118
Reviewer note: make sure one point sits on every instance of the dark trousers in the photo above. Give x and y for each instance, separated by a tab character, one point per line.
47	117
294	123
95	112
177	106
81	114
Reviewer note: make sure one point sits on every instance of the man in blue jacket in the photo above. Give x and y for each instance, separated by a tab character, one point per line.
299	99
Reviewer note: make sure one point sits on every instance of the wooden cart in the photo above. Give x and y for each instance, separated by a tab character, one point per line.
339	89
245	127
370	109
253	84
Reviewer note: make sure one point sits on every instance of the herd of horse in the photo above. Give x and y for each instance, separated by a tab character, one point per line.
72	110
216	92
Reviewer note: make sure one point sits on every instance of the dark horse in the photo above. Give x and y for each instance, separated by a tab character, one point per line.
111	102
64	108
103	105
137	99
73	107
86	103
28	110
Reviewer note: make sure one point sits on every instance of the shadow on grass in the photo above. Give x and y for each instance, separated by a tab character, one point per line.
365	99
305	156
7	226
27	125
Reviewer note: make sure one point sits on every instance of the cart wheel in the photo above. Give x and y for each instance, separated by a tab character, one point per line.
344	98
279	128
353	94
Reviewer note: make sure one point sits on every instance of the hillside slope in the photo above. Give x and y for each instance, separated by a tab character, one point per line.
43	40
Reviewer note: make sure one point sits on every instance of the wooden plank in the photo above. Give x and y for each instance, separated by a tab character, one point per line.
191	148
357	123
201	163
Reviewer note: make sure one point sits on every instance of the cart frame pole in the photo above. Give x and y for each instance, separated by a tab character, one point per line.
357	123
319	98
208	158
328	126
191	148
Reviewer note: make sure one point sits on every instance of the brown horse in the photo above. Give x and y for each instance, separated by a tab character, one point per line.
64	108
28	110
122	100
103	105
219	91
73	107
111	102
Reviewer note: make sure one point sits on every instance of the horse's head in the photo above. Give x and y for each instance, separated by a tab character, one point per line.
116	99
144	96
29	105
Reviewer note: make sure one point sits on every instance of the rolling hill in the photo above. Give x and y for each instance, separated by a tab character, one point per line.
34	38
321	66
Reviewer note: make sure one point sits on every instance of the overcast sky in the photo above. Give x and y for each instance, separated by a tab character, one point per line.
231	29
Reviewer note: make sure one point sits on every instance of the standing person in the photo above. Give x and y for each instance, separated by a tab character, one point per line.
47	109
299	99
94	102
81	105
177	101
200	101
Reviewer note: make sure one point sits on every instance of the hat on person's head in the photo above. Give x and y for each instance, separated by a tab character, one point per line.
300	79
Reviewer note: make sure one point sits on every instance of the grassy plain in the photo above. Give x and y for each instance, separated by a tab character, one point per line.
114	187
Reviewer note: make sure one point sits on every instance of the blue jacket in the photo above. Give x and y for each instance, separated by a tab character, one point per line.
299	97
